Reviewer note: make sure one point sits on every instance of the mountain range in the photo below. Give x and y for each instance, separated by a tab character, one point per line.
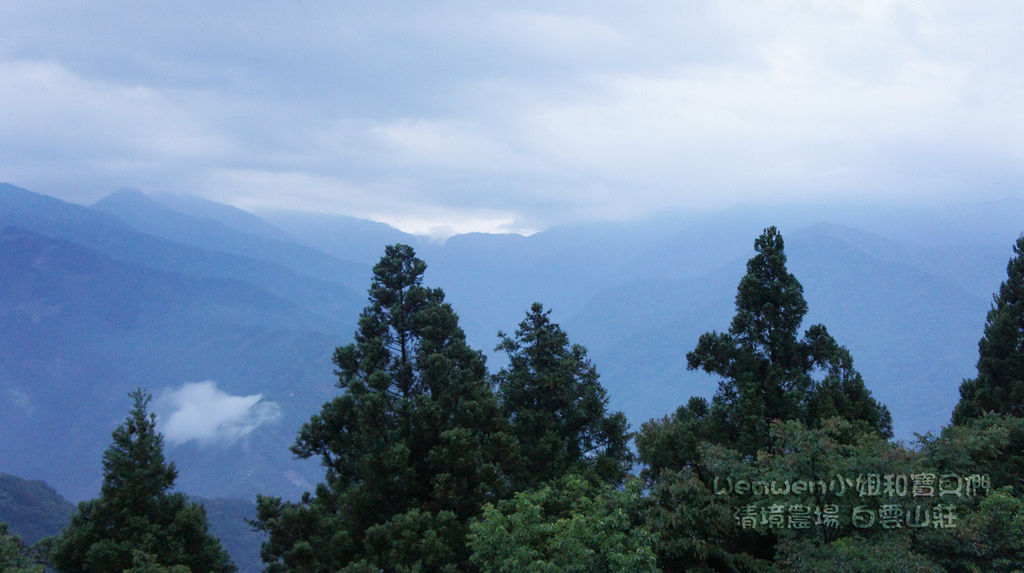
230	318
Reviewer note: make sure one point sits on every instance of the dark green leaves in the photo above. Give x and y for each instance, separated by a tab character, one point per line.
136	524
999	386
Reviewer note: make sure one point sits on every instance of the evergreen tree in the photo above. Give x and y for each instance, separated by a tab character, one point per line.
999	386
15	556
768	372
412	448
557	407
135	513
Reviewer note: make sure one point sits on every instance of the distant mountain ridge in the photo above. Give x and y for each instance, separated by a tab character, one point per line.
158	292
34	510
151	217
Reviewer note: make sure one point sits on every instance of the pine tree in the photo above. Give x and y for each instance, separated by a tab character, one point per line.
412	448
768	372
135	513
557	407
999	386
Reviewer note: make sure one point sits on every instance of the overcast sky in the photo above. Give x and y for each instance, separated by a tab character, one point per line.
466	116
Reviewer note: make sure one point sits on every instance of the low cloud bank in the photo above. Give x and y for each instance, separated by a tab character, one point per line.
200	411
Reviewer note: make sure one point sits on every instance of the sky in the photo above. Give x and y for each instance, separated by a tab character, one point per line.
450	117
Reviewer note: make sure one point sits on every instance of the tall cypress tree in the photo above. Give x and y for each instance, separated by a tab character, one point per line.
557	407
768	372
412	448
135	516
999	386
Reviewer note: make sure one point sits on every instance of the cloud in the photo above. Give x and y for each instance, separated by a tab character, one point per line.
21	400
493	117
200	411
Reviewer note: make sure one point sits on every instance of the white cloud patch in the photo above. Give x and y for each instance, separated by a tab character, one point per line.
21	400
200	411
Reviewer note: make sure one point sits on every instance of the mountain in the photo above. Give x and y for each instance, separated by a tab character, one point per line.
213	308
331	300
912	333
230	217
83	329
153	218
33	509
345	237
229	523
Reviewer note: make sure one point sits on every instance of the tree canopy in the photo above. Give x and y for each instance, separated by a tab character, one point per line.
136	515
433	465
557	407
15	556
413	447
999	385
768	372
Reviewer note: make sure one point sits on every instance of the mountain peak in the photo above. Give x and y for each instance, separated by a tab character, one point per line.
125	196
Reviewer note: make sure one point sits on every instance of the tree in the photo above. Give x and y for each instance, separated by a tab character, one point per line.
570	524
15	557
412	448
999	386
768	373
135	513
557	407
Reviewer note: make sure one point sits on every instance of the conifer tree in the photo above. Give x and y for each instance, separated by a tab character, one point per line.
557	407
768	372
999	386
135	513
15	556
412	448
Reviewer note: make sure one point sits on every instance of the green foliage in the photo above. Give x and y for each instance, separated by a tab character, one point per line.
854	554
999	386
571	524
694	529
985	538
696	515
147	563
557	406
769	376
135	515
413	447
997	530
15	557
991	444
768	373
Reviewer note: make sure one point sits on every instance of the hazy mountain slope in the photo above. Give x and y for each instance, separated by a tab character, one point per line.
491	280
912	334
345	237
32	508
153	218
81	330
230	217
116	308
335	302
227	519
